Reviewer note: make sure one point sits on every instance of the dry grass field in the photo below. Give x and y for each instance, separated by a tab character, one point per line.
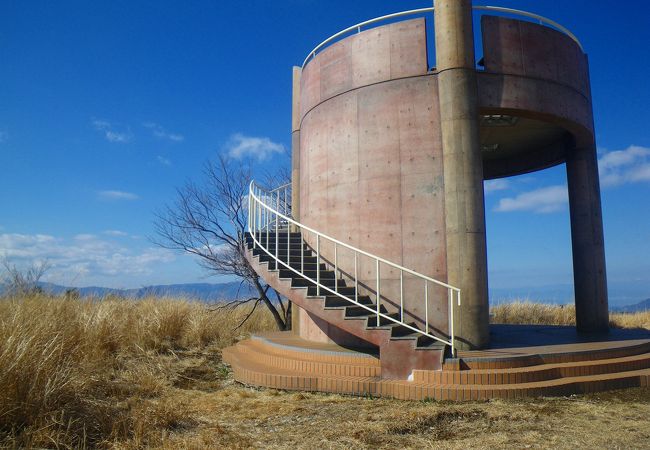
148	374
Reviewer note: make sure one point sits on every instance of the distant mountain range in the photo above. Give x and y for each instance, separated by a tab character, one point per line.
206	292
637	307
216	292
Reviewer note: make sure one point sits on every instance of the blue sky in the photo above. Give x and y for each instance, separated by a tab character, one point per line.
107	107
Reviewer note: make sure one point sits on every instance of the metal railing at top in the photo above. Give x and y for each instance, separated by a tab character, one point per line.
267	224
357	28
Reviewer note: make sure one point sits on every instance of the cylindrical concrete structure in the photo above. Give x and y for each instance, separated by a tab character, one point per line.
463	169
590	282
389	156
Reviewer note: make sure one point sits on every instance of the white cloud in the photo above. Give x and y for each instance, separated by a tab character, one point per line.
110	133
499	184
159	132
631	165
117	233
84	255
84	237
262	148
543	200
117	195
164	161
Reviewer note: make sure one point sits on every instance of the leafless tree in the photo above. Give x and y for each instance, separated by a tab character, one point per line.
22	282
209	221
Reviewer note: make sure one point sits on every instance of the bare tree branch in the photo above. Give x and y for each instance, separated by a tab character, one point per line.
209	222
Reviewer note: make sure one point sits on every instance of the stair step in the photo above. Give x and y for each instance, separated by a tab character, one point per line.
333	301
324	274
329	282
294	259
281	231
311	266
359	311
345	291
321	364
283	253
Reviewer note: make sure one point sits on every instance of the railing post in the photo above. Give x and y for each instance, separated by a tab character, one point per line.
288	246
318	264
302	254
426	306
450	295
258	221
266	224
378	291
251	218
286	209
336	269
356	278
277	230
401	295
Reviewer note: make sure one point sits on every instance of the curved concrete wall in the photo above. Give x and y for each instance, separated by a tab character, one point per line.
536	72
371	169
370	163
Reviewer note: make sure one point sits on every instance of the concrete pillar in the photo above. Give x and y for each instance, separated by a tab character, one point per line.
295	172
295	144
589	274
463	169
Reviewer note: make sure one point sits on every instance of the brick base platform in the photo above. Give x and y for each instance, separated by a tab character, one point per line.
284	361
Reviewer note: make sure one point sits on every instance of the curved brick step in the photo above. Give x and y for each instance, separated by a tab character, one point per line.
248	369
600	351
328	364
528	374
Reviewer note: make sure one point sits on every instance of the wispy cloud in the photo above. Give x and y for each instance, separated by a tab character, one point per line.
164	161
240	146
499	184
116	233
159	132
117	195
83	255
111	133
544	200
85	237
4	136
631	165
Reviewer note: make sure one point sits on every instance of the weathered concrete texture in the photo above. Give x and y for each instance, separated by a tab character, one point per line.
315	329
463	169
590	281
371	167
379	54
516	47
371	161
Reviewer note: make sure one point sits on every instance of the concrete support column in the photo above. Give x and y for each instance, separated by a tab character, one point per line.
295	171
589	274
463	169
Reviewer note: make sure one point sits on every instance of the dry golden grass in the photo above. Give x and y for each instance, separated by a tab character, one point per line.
148	374
81	372
527	312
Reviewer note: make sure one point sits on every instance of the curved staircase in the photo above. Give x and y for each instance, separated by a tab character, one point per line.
401	349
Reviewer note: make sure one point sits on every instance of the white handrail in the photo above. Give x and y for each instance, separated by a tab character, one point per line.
264	219
357	27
